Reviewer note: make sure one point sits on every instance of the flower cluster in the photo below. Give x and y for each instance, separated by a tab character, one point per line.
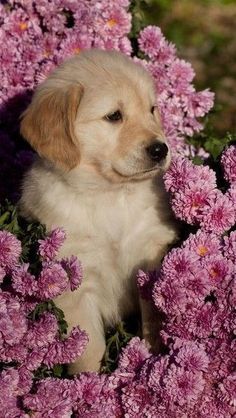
195	197
37	35
28	340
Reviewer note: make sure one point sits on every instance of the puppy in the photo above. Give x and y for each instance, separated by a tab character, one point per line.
102	153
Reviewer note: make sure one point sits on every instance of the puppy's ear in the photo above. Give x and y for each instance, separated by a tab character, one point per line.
48	124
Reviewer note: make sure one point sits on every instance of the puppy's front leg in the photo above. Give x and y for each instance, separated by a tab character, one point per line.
81	308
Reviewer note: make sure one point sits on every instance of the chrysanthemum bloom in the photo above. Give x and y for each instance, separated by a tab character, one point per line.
68	350
52	399
13	324
73	268
23	281
228	161
48	248
43	332
10	249
53	280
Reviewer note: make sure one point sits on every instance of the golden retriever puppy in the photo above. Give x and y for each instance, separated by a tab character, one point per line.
102	153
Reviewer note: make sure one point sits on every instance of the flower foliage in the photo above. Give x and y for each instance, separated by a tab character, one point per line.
194	374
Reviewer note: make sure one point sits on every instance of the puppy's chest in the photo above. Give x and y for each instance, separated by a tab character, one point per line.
118	229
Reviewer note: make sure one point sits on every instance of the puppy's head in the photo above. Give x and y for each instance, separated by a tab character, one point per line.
97	111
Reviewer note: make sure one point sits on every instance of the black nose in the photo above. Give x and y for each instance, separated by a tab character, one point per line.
157	151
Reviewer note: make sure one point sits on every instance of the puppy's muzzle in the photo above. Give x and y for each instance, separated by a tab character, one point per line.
157	151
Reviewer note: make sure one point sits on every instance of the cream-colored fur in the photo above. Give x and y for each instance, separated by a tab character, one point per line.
95	179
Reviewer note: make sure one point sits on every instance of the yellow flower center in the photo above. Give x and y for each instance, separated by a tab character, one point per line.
76	50
23	25
213	273
202	250
111	23
47	53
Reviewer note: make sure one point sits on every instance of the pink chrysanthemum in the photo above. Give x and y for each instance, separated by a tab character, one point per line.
49	247
52	399
133	356
230	246
219	215
203	244
23	282
68	350
13	324
43	332
52	281
10	249
73	268
184	386
228	161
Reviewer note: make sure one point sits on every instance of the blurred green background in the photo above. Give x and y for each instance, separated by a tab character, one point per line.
204	32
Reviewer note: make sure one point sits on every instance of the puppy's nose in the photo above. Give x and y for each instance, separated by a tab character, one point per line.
157	151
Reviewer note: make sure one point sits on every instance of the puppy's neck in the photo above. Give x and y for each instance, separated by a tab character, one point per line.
86	179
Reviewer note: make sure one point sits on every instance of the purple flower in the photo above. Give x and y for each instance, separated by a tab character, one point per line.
220	215
203	243
43	332
13	324
228	161
48	248
149	39
52	399
230	246
9	381
183	386
192	357
10	249
24	282
73	268
68	350
53	281
133	356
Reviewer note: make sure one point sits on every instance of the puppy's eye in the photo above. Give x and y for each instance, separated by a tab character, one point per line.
114	117
153	108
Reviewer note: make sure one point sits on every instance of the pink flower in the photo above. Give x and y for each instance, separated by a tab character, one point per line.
230	246
203	244
68	350
220	270
192	357
51	399
9	380
13	324
23	282
53	281
198	104
10	249
228	161
192	203
48	248
219	216
184	386
73	268
179	174
43	332
133	355
149	40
